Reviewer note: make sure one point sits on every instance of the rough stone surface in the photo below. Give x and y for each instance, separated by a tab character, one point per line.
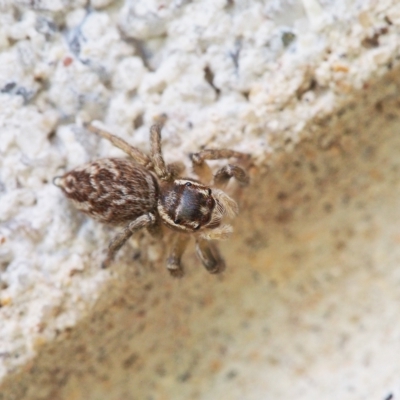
307	307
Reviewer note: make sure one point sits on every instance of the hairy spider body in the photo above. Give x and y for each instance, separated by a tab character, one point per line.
111	190
145	192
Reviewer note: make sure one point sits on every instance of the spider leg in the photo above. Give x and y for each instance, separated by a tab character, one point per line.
155	230
162	171
209	255
176	168
174	265
133	152
223	175
120	239
201	168
216	154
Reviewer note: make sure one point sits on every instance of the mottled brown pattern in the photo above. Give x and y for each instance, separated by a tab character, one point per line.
112	191
143	192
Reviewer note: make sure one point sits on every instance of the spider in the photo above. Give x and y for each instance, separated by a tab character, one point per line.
144	192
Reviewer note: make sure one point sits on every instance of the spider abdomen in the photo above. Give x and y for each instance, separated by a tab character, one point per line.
111	190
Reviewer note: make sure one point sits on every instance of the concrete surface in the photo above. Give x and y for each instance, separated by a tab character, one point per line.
308	304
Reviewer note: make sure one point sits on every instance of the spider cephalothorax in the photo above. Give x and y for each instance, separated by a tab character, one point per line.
145	192
187	205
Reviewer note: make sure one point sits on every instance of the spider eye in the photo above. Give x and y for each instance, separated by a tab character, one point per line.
177	221
188	184
197	227
209	192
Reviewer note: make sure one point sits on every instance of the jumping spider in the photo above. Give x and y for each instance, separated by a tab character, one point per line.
144	192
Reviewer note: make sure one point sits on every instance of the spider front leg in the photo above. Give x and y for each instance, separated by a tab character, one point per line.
162	171
133	152
209	255
174	265
223	175
120	239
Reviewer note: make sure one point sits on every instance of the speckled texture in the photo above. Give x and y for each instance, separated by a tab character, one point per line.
307	307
